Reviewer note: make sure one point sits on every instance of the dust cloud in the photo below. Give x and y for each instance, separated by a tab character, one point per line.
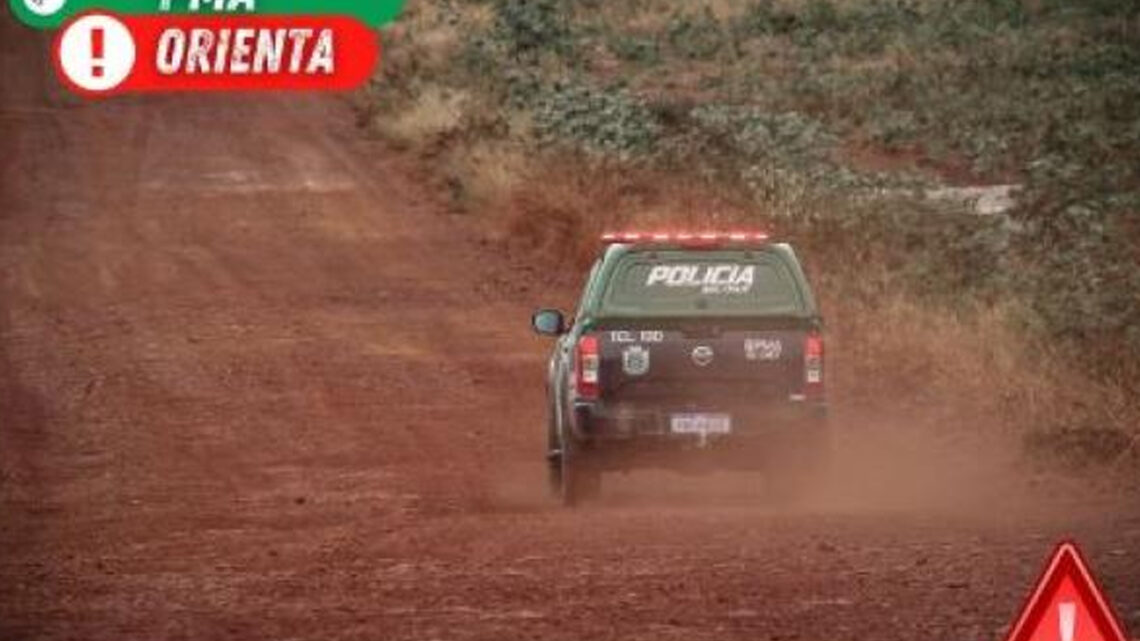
876	467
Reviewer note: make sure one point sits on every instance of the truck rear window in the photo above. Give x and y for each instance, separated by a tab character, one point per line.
683	283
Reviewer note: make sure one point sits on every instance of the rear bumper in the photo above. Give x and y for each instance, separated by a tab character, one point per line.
623	421
639	436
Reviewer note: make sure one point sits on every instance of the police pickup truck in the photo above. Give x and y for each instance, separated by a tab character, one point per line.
698	351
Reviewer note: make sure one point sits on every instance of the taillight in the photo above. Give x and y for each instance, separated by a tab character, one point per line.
587	367
813	364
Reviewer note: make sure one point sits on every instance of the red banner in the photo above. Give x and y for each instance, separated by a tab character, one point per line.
103	54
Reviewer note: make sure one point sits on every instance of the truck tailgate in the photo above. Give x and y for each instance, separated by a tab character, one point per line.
689	364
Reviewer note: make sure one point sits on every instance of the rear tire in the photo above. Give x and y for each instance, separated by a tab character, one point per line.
573	477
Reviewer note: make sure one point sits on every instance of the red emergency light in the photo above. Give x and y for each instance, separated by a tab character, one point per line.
686	238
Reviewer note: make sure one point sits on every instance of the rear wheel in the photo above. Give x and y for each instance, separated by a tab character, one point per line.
573	477
553	454
581	480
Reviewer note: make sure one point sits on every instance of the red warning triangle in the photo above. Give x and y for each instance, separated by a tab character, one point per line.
1067	604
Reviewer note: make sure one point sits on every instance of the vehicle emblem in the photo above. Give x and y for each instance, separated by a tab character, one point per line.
702	355
635	360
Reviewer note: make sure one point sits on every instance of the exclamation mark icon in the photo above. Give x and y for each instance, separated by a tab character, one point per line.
1067	612
97	52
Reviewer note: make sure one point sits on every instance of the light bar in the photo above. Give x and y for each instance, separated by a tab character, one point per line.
703	237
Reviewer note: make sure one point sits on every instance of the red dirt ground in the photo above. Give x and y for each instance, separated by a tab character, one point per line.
256	383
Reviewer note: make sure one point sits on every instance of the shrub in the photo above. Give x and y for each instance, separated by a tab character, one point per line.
699	37
529	27
433	113
636	49
1080	241
609	121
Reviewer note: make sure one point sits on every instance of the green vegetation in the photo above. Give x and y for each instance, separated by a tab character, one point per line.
831	121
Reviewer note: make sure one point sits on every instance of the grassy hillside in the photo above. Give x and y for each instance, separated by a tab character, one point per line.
839	124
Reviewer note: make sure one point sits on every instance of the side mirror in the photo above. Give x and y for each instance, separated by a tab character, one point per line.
548	322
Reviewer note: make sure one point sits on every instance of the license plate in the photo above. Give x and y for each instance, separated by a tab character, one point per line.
700	424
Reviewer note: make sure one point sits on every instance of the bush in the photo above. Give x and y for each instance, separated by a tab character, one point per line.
636	49
1080	240
696	37
529	27
607	121
754	134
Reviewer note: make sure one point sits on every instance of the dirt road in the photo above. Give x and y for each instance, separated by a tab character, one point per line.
257	383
